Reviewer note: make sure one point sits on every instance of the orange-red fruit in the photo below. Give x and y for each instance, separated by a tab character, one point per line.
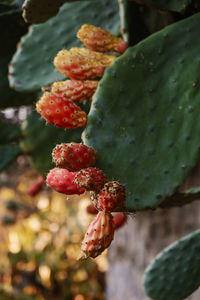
92	179
74	156
91	209
111	197
82	63
119	219
98	39
62	181
75	90
99	235
36	187
60	112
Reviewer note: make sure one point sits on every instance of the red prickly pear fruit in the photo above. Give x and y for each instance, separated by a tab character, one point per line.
98	237
92	179
121	48
82	63
75	90
91	209
36	187
98	39
62	181
74	156
119	219
111	197
60	112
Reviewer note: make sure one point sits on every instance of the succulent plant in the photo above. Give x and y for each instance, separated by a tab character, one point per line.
143	116
175	272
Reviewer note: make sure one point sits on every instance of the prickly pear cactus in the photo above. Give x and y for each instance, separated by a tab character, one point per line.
143	115
143	120
175	272
31	67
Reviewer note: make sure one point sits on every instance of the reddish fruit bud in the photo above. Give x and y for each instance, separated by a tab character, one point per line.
121	47
119	219
75	90
111	197
98	236
98	39
36	187
91	209
92	179
82	63
61	112
62	181
74	156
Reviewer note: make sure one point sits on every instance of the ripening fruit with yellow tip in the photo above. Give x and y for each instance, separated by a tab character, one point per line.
98	39
82	63
75	90
61	112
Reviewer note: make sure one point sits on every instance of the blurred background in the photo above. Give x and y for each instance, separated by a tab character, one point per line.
40	236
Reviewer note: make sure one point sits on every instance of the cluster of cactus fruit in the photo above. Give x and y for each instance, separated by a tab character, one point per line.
58	105
124	117
75	170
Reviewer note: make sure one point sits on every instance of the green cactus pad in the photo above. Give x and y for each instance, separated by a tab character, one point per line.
8	132
138	22
4	7
8	154
40	139
18	3
175	273
144	116
173	5
39	11
15	28
32	64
